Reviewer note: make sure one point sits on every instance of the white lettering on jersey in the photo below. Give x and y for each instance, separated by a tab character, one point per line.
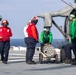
0	30
8	30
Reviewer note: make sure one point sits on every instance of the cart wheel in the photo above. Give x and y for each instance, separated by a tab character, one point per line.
56	58
62	55
40	58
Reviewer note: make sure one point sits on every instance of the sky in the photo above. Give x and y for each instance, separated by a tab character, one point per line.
19	12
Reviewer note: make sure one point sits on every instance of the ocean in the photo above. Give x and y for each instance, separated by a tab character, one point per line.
20	42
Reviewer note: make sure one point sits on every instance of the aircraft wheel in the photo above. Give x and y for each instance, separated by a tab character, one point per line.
62	55
56	58
40	58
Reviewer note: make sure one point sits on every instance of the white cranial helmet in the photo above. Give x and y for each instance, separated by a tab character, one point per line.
71	16
45	29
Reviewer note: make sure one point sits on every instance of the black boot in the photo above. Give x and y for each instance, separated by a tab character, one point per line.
5	62
67	61
73	63
31	62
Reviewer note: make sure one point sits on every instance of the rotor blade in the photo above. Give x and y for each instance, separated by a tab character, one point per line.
67	3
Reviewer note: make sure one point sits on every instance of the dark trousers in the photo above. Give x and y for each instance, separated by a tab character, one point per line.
30	44
67	49
74	47
4	49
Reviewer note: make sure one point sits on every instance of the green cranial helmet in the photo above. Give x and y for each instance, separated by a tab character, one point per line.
0	17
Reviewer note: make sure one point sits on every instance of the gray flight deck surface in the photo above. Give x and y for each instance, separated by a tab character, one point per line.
17	66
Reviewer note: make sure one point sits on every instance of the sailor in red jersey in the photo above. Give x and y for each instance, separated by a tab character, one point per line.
31	38
5	34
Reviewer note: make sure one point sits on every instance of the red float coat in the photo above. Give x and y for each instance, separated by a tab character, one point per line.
31	31
5	33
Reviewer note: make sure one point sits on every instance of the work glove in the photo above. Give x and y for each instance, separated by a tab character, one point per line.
42	43
37	41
